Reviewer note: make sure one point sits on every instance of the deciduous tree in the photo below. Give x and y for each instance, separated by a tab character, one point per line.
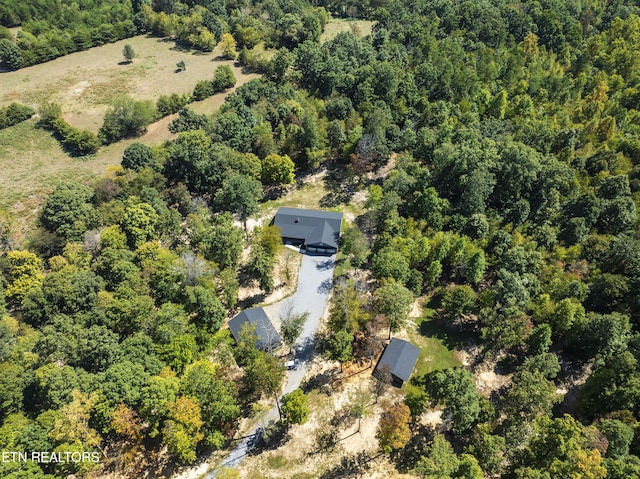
228	46
128	52
68	211
455	388
359	402
264	375
295	407
394	301
217	397
393	430
137	156
341	346
138	222
127	117
439	460
292	325
239	194
25	275
278	170
182	431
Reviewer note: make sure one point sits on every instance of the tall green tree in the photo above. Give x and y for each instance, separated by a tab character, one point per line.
455	388
138	222
291	325
341	346
155	397
68	211
439	460
127	117
264	375
25	275
278	170
240	195
394	301
182	430
295	408
216	395
137	156
128	52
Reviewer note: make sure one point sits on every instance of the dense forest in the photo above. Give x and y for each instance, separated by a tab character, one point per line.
512	135
48	30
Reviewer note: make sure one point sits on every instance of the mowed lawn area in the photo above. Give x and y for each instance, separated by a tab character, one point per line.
84	84
436	344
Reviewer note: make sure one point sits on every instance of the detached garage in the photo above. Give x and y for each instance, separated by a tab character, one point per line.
314	230
400	357
267	338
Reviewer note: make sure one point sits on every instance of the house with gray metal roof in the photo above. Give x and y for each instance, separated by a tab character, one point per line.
267	338
314	230
400	357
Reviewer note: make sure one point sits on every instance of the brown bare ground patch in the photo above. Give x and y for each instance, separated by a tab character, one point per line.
339	25
299	456
285	276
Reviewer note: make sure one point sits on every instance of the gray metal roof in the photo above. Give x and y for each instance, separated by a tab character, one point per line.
401	357
315	227
266	335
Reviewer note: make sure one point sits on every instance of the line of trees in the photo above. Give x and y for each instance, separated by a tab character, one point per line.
49	30
77	142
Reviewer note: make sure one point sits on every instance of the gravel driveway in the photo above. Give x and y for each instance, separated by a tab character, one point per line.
314	284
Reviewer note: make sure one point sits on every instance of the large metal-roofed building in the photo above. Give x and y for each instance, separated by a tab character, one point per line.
314	230
267	338
400	357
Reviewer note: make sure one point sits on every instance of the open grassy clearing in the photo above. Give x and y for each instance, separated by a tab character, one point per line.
338	25
85	83
435	353
32	163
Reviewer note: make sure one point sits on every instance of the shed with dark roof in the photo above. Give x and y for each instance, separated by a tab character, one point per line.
316	231
400	357
267	338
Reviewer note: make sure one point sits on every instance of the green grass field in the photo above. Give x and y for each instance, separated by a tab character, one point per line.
338	25
436	345
84	83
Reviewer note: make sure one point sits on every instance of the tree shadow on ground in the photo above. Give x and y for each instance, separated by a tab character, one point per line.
304	350
325	265
274	436
405	459
325	286
452	339
340	190
322	382
251	301
351	466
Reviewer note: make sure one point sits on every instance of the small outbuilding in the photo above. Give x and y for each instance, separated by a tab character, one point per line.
314	230
400	357
267	338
